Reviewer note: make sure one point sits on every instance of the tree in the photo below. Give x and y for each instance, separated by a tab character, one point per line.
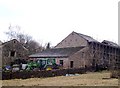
48	46
12	32
33	47
25	39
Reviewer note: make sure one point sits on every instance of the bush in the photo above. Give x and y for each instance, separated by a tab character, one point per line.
114	74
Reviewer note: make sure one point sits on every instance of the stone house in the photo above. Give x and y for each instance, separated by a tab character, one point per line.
12	50
79	50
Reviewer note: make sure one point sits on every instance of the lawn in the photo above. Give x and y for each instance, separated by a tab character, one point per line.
88	79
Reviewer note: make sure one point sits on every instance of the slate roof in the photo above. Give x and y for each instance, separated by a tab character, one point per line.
15	41
86	37
110	43
56	52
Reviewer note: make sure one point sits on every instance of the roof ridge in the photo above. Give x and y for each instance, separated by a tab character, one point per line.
83	36
17	41
110	42
69	47
57	52
9	41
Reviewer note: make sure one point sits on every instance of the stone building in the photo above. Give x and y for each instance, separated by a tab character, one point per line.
11	51
79	50
0	54
60	55
105	53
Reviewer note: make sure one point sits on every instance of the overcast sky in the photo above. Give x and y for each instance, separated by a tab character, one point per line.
52	20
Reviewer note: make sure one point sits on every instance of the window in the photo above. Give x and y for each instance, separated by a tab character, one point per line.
14	41
61	62
12	53
71	64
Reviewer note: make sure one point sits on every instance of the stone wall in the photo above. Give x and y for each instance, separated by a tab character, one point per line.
0	56
12	50
65	62
72	40
81	58
104	54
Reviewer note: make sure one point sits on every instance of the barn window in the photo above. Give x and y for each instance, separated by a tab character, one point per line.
14	41
61	62
12	53
71	64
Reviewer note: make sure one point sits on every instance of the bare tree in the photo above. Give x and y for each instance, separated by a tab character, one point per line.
11	33
33	47
48	46
25	39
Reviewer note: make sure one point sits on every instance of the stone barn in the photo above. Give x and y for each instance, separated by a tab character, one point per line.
0	55
71	52
12	50
79	50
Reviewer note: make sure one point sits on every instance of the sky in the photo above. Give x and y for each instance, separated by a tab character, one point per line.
53	20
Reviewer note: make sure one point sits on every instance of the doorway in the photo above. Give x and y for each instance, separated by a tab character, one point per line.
71	64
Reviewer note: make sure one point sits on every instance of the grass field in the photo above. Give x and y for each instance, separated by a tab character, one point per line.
89	79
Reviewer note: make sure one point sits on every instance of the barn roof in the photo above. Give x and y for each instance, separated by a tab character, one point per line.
110	43
56	52
86	37
15	40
